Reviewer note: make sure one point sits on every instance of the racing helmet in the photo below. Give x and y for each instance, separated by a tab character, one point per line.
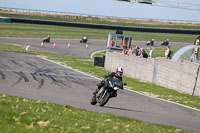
119	71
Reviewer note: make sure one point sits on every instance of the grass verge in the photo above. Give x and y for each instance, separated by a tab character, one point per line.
41	31
21	115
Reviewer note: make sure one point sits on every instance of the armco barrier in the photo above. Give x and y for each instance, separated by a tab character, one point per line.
98	26
179	76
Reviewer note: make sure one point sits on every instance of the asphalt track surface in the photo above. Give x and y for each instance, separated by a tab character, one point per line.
76	48
32	77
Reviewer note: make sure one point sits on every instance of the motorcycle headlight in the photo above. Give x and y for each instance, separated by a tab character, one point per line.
116	88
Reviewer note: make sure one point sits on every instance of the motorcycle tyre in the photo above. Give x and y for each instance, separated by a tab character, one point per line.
105	99
93	100
47	41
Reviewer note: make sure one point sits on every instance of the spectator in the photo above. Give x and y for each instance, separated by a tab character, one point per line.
137	51
194	59
140	52
112	43
168	53
143	53
124	50
130	51
150	52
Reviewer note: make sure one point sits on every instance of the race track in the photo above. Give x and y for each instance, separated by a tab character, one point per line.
32	77
76	48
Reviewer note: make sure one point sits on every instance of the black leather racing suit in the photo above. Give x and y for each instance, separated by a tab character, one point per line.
105	83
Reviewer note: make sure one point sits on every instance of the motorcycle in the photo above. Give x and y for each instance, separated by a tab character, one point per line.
164	43
47	39
150	43
108	90
84	40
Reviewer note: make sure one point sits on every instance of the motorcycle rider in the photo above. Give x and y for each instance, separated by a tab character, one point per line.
84	39
152	42
118	74
166	42
47	39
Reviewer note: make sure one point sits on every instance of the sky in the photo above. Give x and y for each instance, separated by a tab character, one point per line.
108	8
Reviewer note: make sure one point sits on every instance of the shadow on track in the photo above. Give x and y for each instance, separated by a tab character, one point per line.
117	108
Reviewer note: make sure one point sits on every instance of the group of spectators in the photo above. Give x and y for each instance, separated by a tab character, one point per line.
140	52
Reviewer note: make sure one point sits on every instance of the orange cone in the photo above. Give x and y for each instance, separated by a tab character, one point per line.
54	45
86	46
42	44
68	45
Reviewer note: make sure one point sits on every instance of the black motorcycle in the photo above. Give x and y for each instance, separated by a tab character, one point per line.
108	90
164	43
83	40
47	39
150	43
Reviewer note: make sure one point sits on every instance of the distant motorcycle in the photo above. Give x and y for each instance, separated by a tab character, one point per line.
150	43
165	43
104	94
84	40
47	39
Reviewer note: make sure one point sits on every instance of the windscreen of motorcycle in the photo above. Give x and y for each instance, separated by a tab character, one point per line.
115	82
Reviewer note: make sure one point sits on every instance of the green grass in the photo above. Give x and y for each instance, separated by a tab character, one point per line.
99	54
19	115
41	31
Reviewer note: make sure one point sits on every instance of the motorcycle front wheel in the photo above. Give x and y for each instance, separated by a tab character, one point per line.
93	100
105	99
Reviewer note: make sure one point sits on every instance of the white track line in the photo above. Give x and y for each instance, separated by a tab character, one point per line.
27	47
96	52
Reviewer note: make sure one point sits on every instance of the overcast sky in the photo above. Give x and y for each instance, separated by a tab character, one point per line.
107	8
